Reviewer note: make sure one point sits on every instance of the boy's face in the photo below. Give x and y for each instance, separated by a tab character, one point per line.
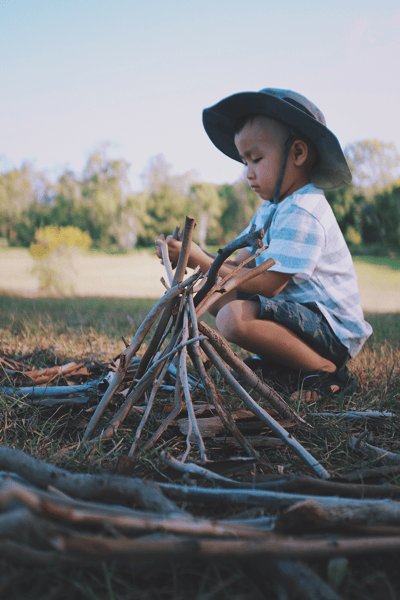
260	144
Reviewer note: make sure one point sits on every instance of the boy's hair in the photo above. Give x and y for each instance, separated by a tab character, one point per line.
242	121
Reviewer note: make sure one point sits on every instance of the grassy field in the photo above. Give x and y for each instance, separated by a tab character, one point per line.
57	330
137	275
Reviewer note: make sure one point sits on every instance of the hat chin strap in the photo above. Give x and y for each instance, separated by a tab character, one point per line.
286	150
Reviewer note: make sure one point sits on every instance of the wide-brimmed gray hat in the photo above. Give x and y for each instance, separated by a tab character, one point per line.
331	172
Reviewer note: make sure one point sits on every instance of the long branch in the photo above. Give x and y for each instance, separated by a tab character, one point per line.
232	284
166	315
212	392
253	238
263	415
149	406
219	343
102	487
186	392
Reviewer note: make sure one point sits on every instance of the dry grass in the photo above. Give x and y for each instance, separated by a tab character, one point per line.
86	328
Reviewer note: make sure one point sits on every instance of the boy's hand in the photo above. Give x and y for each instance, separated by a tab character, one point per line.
196	256
174	247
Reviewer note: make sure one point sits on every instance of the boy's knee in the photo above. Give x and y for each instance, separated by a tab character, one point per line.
233	318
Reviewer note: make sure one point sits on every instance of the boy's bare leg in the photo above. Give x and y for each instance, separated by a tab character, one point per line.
238	323
225	299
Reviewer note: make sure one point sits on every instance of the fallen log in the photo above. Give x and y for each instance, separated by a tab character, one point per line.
116	488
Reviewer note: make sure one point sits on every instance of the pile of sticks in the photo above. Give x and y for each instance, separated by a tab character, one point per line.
180	335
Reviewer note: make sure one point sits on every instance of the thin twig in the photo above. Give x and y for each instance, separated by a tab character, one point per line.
149	406
263	415
193	469
166	315
232	284
253	238
211	389
168	420
129	352
162	244
186	392
259	387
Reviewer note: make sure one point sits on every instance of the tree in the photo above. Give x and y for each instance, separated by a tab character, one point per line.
105	188
164	202
21	190
205	205
374	165
388	210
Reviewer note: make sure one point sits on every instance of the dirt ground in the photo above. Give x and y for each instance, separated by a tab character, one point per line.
137	275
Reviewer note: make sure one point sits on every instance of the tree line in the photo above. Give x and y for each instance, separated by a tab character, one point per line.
100	202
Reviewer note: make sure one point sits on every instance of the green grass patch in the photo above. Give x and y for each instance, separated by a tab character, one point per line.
379	261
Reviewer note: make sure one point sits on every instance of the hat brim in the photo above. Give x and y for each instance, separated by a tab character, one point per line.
331	172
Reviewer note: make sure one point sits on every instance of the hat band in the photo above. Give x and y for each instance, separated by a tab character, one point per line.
300	106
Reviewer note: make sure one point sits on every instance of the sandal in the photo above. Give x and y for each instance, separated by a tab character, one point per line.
325	384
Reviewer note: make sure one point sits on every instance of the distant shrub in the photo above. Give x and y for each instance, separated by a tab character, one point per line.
53	252
352	236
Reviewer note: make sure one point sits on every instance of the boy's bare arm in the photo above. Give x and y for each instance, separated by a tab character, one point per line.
267	284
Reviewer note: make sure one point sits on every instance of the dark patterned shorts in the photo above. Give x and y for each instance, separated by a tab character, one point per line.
306	321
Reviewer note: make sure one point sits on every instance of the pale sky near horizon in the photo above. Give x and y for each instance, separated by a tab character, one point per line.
78	73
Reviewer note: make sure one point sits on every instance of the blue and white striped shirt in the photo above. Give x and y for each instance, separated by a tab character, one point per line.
305	239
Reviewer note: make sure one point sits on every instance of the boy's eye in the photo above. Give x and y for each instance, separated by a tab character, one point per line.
256	160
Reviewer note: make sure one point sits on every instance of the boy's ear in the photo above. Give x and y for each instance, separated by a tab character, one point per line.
300	152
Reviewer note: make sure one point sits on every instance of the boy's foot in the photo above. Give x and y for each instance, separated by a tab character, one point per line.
255	363
323	384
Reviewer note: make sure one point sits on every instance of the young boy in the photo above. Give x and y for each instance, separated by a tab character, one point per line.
305	311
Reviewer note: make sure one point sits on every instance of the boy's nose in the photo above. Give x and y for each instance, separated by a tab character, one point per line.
250	172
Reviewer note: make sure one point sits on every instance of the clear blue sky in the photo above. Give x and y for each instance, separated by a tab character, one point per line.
137	74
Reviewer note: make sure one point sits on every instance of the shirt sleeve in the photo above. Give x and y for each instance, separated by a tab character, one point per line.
297	240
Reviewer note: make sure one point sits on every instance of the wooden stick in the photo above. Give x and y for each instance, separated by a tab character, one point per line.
232	284
162	243
219	286
373	473
186	393
301	484
356	414
263	390
145	494
129	352
149	406
197	470
91	547
263	415
143	385
383	511
166	315
40	376
179	405
211	390
253	238
92	514
390	458
38	393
